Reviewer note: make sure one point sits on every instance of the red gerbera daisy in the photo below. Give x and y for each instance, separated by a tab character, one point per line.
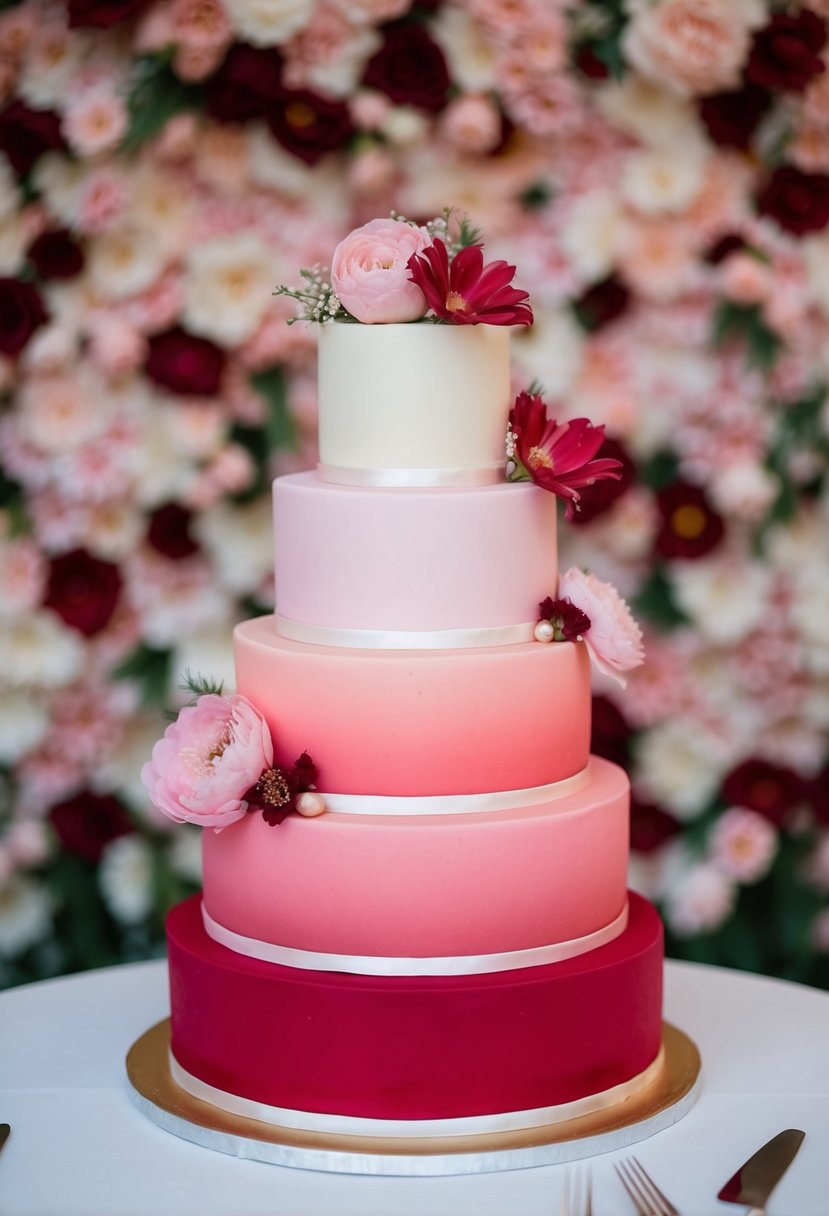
465	291
556	457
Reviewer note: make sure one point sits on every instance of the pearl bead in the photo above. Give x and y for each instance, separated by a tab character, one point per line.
544	631
310	804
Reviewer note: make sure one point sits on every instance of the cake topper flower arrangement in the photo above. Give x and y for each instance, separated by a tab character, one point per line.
391	271
559	457
590	611
214	764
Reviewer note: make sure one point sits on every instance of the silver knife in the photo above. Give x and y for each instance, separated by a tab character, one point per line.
754	1182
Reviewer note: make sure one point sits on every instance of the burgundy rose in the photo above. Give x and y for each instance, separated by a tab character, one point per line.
785	54
409	68
55	254
569	622
21	312
600	497
690	527
169	531
102	14
83	590
25	134
769	789
650	827
185	364
602	304
87	823
798	201
610	732
817	793
732	118
589	63
724	247
248	84
308	125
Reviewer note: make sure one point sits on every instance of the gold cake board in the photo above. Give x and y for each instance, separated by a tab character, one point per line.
661	1103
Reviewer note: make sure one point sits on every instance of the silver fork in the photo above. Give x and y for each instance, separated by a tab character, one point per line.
577	1192
642	1191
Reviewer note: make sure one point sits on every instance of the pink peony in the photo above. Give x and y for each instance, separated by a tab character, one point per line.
614	640
369	272
207	761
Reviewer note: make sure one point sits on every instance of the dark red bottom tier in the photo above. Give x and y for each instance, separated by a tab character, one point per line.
415	1047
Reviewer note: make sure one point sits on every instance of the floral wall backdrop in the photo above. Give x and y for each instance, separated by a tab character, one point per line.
659	171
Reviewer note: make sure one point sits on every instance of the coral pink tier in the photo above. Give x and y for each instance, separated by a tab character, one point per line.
350	558
415	1048
438	885
420	722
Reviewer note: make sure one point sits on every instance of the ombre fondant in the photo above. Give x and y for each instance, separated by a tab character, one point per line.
420	722
436	885
463	559
414	1048
413	404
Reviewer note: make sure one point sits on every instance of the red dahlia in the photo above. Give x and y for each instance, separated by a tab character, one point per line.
466	292
559	458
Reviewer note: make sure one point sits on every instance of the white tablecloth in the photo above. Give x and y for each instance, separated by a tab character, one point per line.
80	1148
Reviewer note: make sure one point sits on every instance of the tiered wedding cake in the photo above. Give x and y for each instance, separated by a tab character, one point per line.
449	950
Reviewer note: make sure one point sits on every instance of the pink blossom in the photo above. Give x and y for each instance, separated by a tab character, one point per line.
87	719
614	640
370	172
22	576
472	123
809	149
504	17
178	137
200	24
700	902
229	472
549	107
17	27
102	201
324	39
156	308
746	279
193	63
94	120
26	842
59	523
660	689
370	275
743	844
369	110
115	346
207	761
659	258
689	46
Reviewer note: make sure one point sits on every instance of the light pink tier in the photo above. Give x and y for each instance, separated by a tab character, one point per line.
420	722
349	557
426	887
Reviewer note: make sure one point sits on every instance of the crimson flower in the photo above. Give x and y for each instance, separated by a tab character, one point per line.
277	790
557	457
466	292
569	622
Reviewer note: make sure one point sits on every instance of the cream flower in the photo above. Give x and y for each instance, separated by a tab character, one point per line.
228	287
724	596
614	640
592	234
240	543
267	24
665	180
679	764
40	650
25	914
125	876
470	55
126	261
24	723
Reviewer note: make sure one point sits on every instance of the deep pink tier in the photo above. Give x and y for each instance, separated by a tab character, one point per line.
415	1048
431	886
348	557
420	722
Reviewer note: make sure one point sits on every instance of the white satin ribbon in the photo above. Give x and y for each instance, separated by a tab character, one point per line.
371	964
416	1128
405	639
456	804
343	475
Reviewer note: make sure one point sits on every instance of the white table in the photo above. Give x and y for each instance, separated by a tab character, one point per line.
80	1148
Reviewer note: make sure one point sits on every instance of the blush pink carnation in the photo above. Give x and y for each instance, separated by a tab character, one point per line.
689	46
207	760
369	272
614	640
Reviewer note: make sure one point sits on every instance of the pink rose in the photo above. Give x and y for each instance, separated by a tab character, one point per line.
689	46
207	760
614	640
369	272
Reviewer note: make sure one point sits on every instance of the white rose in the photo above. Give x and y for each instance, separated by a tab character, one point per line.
550	351
470	55
701	901
23	723
679	764
649	114
228	287
266	23
39	649
664	180
725	596
126	261
25	914
592	234
125	876
240	542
